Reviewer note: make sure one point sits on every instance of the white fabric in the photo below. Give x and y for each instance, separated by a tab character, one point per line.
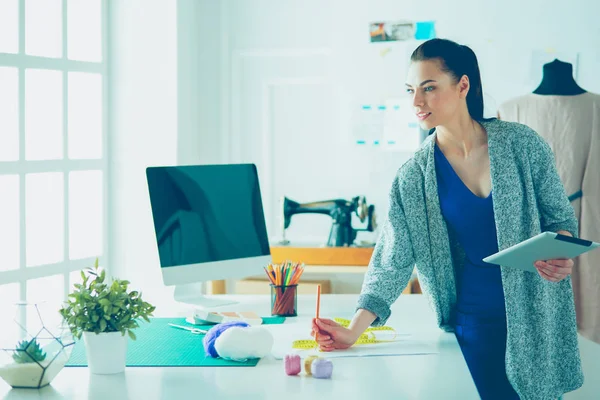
242	343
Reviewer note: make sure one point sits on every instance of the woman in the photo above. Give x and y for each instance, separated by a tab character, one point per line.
474	187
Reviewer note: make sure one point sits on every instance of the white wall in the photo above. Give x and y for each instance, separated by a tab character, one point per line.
269	82
292	72
143	131
199	82
296	69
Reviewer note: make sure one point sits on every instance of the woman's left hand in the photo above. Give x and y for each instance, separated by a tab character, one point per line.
554	270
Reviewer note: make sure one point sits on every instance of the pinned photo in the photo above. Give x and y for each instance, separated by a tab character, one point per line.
391	31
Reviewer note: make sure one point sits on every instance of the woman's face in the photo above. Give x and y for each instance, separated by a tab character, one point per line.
436	98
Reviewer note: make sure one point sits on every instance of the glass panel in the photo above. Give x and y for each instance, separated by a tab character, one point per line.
84	30
9	113
43	28
10	226
74	277
49	293
85	214
43	115
9	26
85	115
9	294
44	218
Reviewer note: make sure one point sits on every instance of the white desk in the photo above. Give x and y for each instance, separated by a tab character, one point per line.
436	376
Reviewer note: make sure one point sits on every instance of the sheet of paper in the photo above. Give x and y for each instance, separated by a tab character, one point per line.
425	30
405	344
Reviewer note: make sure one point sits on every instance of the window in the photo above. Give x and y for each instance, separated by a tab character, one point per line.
53	161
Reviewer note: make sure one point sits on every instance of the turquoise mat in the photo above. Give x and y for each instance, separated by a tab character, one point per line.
161	345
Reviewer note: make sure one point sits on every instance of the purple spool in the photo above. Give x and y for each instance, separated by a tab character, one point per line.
216	331
321	368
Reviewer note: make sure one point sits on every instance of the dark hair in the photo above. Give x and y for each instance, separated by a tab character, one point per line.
457	60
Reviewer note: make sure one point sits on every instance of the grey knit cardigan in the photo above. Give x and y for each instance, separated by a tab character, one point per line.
542	355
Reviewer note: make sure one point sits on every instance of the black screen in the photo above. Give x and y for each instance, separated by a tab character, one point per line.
206	213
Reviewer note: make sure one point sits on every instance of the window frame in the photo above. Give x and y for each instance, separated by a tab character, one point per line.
22	167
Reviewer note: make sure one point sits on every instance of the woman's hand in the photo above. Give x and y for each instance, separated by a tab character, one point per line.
332	336
554	270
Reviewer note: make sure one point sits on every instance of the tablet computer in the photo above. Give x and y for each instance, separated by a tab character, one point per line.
545	246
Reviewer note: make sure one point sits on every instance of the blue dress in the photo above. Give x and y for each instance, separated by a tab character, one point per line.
480	325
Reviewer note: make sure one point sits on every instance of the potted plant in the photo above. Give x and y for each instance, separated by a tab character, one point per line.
28	351
106	315
27	368
32	349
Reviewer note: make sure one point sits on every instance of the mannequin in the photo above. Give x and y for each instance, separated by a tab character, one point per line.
558	80
567	116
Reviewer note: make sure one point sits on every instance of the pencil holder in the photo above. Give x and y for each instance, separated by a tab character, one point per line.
284	300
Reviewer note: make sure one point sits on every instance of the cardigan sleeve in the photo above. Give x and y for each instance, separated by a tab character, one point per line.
391	264
555	209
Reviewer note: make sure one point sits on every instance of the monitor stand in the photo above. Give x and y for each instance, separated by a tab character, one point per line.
190	293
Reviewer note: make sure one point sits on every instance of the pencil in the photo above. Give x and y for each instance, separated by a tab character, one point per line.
318	299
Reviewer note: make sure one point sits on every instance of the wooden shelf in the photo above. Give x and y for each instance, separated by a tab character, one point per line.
346	259
339	256
342	257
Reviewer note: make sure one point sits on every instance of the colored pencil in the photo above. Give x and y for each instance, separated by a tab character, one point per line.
318	299
284	277
286	274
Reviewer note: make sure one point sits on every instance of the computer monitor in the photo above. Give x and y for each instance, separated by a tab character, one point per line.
209	224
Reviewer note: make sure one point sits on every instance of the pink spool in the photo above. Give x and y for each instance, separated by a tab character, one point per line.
292	364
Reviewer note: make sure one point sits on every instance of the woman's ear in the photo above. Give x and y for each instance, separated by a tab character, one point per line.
464	85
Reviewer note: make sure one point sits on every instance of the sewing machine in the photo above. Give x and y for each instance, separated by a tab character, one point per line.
342	234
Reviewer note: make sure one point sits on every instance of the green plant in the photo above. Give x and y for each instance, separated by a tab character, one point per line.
96	306
28	351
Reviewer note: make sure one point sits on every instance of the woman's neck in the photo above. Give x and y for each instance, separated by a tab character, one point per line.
461	136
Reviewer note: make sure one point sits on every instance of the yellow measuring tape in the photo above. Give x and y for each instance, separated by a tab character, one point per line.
366	338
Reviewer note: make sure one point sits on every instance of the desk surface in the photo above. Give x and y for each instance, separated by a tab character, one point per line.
434	376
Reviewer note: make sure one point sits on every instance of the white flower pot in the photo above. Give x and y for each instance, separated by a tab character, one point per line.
105	352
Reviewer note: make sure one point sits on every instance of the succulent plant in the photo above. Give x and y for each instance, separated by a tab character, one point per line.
28	351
